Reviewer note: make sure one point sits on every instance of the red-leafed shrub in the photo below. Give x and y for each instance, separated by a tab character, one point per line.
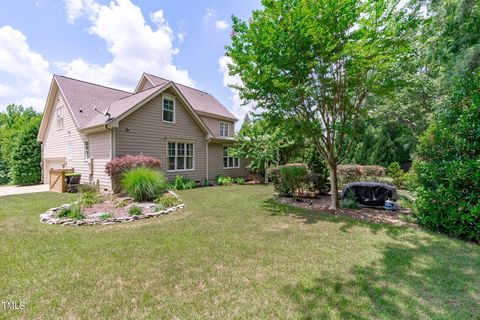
117	167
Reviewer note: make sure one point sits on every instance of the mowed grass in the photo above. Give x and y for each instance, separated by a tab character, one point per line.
233	253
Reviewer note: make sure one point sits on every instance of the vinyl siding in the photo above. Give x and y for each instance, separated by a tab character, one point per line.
144	132
215	163
100	144
214	125
55	141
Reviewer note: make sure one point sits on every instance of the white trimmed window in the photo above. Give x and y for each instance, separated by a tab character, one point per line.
59	112
224	129
168	110
86	149
229	162
180	156
69	151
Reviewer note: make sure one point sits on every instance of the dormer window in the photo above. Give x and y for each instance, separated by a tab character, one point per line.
168	110
59	113
224	129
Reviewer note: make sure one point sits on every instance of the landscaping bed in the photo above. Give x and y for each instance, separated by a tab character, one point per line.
401	216
95	209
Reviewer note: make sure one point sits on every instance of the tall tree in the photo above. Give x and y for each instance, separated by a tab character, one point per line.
26	156
316	61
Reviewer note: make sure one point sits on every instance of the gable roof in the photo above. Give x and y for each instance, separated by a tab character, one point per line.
202	102
82	98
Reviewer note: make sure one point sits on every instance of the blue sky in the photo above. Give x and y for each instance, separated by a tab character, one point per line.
113	42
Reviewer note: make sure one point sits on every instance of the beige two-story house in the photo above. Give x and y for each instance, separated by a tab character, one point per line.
85	125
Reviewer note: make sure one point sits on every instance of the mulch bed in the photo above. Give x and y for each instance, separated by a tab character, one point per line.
322	204
109	206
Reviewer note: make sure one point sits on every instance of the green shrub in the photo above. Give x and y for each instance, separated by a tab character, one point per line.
356	173
26	156
105	216
240	181
349	202
135	211
72	212
121	204
88	199
183	183
395	172
448	166
224	181
411	179
159	207
144	184
317	183
168	201
88	187
4	172
288	179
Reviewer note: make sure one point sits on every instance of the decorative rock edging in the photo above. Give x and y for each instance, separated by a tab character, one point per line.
49	217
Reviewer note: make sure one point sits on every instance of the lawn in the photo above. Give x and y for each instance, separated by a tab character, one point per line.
232	253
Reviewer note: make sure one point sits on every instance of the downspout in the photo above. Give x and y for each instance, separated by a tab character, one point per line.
112	141
112	151
206	160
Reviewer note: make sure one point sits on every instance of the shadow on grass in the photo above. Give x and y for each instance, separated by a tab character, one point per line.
311	217
416	280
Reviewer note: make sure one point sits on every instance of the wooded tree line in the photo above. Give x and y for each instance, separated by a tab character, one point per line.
369	82
20	153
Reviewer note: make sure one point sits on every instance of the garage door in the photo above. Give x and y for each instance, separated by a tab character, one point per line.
52	164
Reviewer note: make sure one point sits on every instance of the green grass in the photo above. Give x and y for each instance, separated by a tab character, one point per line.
232	253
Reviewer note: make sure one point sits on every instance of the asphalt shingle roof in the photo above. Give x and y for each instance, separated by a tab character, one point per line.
82	97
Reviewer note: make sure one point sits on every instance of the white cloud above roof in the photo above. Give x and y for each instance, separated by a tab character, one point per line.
24	75
221	24
237	107
210	17
134	45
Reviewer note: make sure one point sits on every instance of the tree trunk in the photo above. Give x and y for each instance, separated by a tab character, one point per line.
266	172
332	168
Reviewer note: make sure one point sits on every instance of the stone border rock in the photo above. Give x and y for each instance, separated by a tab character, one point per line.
49	217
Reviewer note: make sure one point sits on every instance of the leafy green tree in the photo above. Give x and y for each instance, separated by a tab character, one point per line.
26	156
12	122
4	172
263	144
448	165
315	62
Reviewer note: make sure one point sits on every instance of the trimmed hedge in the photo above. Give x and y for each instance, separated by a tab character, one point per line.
356	173
294	179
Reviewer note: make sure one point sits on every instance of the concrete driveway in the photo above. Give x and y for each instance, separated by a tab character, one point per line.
10	190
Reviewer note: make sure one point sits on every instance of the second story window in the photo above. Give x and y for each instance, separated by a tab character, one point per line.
59	112
86	149
168	110
224	129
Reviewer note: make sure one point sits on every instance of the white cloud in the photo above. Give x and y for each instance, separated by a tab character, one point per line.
209	15
24	75
210	18
135	47
237	107
221	24
181	36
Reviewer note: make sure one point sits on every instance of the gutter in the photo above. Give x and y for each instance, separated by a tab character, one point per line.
206	160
